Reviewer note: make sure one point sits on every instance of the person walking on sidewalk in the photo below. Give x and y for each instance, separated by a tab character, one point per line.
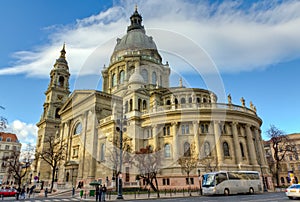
103	192
100	193
97	193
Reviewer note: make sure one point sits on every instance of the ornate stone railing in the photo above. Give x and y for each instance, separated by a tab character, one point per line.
201	106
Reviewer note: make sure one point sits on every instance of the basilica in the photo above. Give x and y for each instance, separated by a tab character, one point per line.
138	107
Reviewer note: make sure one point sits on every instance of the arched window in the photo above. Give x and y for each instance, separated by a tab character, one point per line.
102	152
122	76
8	139
114	80
282	180
182	101
139	105
176	101
186	149
154	78
0	138
67	177
144	104
167	150
204	100
168	102
130	105
198	100
207	149
226	149
190	100
242	150
78	129
56	113
144	74
61	81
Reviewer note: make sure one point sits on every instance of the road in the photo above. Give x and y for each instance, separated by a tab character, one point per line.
265	197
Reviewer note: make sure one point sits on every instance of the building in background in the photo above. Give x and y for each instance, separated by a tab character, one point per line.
135	86
9	144
290	165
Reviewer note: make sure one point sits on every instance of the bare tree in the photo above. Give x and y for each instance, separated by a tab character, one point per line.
113	156
148	163
189	162
281	145
18	164
209	163
53	154
3	121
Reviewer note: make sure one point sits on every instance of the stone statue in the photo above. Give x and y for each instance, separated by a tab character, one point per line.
243	101
229	98
251	105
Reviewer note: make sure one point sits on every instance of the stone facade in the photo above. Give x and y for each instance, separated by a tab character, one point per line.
136	86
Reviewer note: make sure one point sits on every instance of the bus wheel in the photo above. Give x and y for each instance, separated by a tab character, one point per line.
226	192
251	190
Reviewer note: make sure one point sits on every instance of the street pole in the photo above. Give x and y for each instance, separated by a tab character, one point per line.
120	129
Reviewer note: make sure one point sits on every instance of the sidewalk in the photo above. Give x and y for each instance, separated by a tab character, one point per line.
126	197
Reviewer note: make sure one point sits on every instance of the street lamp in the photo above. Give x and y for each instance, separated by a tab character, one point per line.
120	128
200	185
263	178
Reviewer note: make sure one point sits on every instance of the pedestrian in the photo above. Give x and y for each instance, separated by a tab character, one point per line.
73	191
100	193
46	192
23	193
97	193
103	192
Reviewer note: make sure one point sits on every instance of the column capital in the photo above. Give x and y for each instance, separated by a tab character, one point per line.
174	123
195	122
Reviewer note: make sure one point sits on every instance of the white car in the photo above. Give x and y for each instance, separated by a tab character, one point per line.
293	191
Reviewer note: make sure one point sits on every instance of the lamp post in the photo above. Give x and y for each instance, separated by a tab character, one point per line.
200	184
120	128
263	178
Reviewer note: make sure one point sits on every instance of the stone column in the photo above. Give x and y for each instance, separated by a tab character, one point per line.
155	136
196	137
175	140
237	149
250	143
259	147
217	134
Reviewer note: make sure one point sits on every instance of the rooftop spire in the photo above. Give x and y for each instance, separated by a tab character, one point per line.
63	52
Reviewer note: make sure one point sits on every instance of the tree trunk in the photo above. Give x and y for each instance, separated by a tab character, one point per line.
277	173
52	179
156	183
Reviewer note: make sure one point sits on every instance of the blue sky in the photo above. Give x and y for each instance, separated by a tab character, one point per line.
254	46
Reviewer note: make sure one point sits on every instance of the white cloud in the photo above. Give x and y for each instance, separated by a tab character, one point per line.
236	37
26	133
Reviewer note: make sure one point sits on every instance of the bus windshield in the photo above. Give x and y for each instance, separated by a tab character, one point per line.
208	180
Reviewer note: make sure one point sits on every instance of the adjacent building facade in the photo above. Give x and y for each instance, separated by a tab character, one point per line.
289	164
135	87
9	144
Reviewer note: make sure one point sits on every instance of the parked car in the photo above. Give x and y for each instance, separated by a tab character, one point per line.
293	191
8	192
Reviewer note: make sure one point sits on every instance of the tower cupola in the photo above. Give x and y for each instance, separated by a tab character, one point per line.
136	21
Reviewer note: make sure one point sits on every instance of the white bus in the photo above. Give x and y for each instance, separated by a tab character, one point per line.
231	182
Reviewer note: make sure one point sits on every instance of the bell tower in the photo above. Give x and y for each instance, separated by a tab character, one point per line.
56	95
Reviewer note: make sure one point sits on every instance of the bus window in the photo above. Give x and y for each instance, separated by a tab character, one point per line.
220	177
208	180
